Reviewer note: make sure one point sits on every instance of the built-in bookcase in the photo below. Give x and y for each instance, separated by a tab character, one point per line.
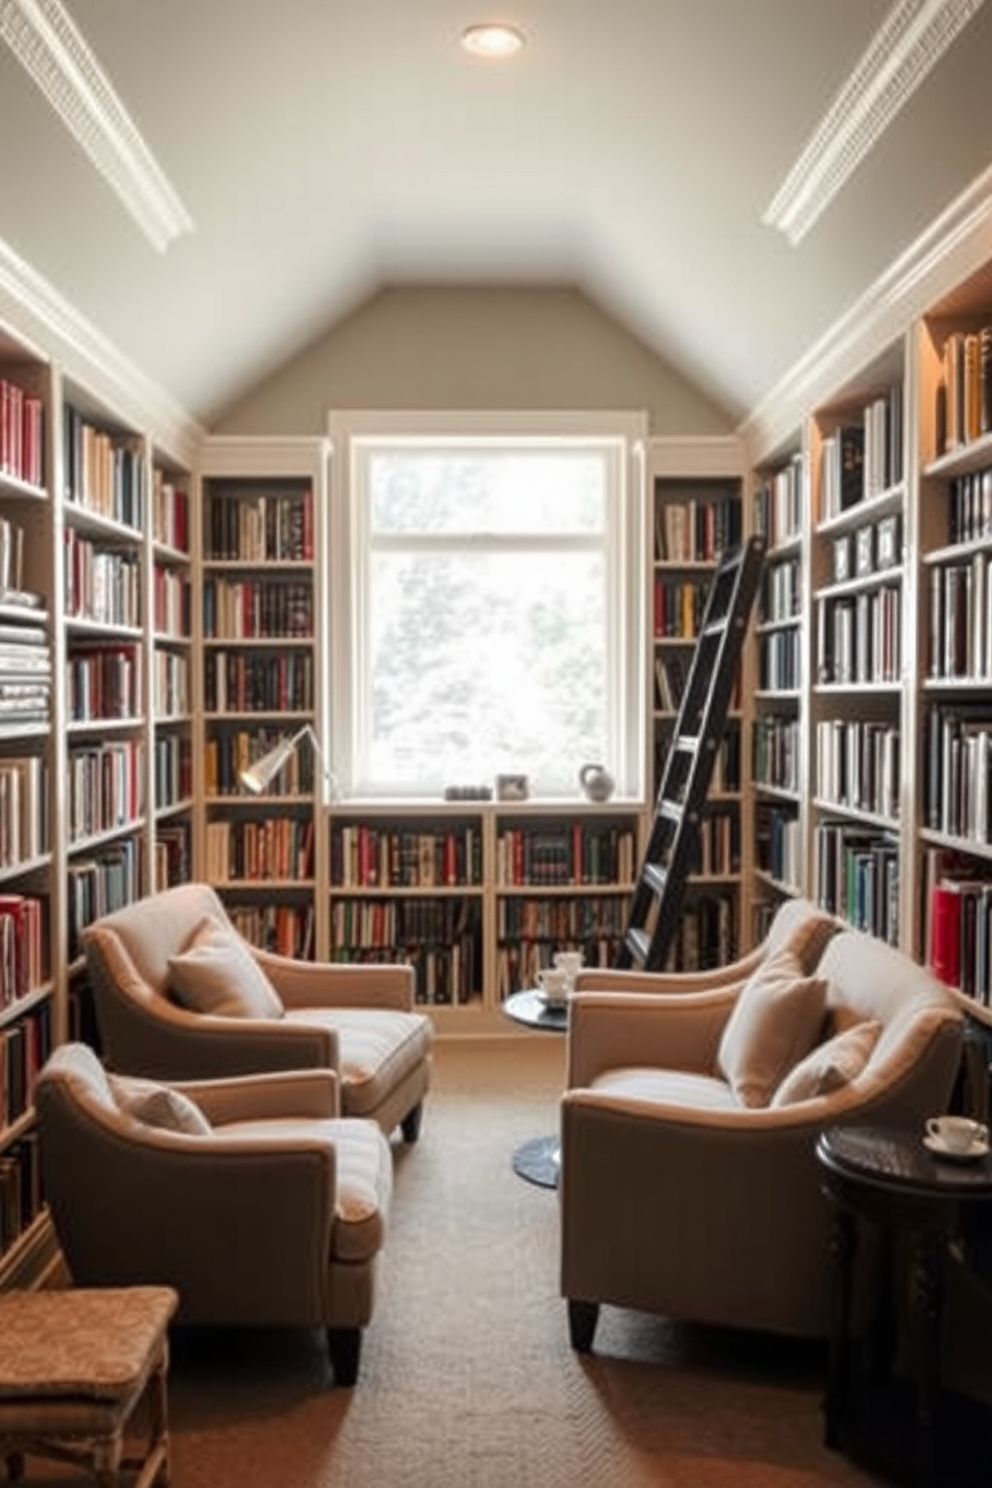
170	684
697	510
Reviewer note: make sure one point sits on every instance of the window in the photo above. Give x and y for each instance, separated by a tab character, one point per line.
494	611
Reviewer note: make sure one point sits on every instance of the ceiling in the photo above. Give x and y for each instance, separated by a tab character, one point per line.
324	150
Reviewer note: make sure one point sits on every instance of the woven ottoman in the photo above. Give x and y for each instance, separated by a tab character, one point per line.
74	1365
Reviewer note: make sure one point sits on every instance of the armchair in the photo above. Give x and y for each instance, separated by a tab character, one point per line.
268	1208
179	994
678	1198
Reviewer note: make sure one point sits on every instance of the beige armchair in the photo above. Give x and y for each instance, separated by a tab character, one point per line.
689	1184
180	995
263	1206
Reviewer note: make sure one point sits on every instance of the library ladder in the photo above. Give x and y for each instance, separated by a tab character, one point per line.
673	841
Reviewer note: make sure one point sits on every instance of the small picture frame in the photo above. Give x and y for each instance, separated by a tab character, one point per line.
842	558
864	551
888	542
512	787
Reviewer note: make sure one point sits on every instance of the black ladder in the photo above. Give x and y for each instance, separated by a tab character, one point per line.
673	841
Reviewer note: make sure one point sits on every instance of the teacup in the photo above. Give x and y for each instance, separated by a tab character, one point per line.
553	982
957	1133
571	963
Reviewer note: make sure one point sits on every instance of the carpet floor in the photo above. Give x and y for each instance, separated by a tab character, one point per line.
467	1378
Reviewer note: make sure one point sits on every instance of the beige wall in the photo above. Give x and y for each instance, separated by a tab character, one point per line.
459	348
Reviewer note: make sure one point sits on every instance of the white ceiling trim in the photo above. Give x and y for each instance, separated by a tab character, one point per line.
908	44
35	311
952	248
52	50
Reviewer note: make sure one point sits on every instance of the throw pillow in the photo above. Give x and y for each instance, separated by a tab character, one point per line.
775	1022
217	973
830	1066
158	1105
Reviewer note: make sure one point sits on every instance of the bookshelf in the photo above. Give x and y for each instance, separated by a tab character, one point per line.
170	684
697	508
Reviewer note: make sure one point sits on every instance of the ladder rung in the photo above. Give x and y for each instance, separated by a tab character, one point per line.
686	743
638	943
715	627
670	810
655	875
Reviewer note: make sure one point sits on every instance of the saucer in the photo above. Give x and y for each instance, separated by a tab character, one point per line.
936	1146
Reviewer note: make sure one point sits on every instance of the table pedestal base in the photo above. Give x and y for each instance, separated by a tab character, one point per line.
539	1161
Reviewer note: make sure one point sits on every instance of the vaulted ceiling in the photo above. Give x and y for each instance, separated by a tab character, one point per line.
318	150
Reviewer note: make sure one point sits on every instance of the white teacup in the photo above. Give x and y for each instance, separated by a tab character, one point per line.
957	1133
571	963
553	982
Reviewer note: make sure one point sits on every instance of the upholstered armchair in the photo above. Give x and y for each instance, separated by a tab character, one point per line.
689	1184
252	1197
179	994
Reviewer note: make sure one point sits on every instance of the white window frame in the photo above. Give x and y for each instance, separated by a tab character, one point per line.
624	434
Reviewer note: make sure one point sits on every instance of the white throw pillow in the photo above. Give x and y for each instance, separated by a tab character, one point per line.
830	1066
158	1105
217	973
775	1022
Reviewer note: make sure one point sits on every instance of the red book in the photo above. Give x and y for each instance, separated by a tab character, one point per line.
945	933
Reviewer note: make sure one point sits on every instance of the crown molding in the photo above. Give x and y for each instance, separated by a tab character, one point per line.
33	310
54	53
908	44
952	248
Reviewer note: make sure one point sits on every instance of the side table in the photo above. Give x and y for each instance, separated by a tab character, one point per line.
921	1208
539	1159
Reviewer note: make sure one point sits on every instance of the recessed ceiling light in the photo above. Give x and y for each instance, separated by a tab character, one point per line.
492	40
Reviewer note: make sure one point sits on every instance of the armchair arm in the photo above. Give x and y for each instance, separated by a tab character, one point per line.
303	984
609	1030
166	1042
300	1093
668	983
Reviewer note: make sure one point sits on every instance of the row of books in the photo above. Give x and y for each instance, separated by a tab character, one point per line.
857	877
257	609
957	793
567	923
106	787
20	1188
364	856
281	682
22	451
780	660
23	946
104	470
858	765
678	607
101	883
404	924
781	590
860	460
24	809
101	584
255	851
24	1047
775	751
170	512
443	974
517	965
170	684
173	854
697	529
719	844
960	935
779	503
229	751
960	635
707	934
969	506
269	527
580	853
842	470
858	637
25	674
285	929
172	759
104	682
171	602
964	390
778	843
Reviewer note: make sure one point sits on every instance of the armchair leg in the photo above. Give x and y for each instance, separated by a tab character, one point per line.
582	1320
345	1348
410	1125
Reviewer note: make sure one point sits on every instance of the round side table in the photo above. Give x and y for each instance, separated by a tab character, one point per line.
539	1159
925	1208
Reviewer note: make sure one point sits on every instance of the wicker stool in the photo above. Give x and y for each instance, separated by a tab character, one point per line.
73	1366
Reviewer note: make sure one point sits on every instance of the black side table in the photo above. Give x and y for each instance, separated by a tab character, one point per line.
919	1207
539	1159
